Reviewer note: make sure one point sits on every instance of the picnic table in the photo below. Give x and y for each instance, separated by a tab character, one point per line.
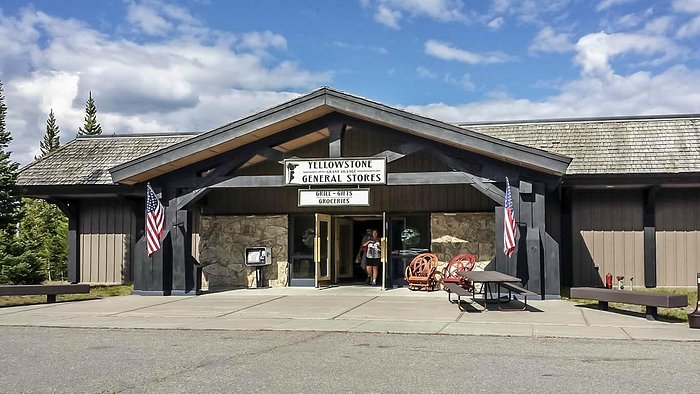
487	278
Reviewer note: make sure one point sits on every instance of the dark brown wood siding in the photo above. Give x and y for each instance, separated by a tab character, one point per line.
608	233
441	198
107	237
359	142
677	237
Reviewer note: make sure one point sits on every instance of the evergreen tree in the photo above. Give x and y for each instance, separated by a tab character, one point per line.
9	192
44	230
91	126
51	138
18	264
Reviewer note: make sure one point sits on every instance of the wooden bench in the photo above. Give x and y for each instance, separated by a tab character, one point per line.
49	290
521	291
652	301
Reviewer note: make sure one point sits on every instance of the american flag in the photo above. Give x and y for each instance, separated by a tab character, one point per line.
155	216
508	224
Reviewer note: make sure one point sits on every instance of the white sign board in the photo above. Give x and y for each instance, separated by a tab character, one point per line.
341	171
333	197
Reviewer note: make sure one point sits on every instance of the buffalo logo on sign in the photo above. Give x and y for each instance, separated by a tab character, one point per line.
291	167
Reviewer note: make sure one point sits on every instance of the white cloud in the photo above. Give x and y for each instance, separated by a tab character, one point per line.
690	6
388	17
424	73
595	51
464	82
361	47
183	83
147	20
535	12
549	41
599	91
659	25
689	29
672	91
605	4
496	23
446	51
391	12
263	40
156	18
629	21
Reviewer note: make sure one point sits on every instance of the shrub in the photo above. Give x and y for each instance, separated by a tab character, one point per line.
24	269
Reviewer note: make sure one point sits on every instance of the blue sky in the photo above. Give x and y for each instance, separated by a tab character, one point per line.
191	65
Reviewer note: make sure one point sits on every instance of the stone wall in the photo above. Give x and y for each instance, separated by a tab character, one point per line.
223	240
457	233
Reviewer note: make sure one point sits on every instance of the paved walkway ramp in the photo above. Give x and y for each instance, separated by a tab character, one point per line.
345	309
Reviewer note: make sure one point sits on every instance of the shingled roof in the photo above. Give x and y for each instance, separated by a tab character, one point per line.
662	144
87	159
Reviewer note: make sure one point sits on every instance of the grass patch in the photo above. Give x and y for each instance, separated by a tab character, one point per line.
680	314
97	291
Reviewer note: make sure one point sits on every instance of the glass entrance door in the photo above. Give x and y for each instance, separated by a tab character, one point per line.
322	250
343	249
302	236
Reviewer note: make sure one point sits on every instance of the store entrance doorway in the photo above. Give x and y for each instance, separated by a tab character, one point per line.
323	249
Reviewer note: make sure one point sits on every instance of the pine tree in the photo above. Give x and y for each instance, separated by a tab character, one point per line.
91	126
9	192
51	138
44	230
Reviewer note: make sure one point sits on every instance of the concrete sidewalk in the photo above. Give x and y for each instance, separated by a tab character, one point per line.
345	309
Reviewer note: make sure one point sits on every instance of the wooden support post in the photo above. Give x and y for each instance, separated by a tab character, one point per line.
336	129
501	260
70	209
519	254
551	238
650	195
153	275
552	277
538	222
534	252
184	270
567	239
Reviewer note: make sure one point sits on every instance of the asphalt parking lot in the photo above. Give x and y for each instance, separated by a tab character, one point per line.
69	360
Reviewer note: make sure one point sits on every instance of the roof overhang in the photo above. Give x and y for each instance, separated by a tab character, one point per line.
319	103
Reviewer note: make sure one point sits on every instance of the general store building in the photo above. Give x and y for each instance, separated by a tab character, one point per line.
308	177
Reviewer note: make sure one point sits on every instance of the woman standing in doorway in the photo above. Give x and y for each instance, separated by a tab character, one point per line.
374	255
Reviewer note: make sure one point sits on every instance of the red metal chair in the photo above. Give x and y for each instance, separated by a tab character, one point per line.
420	274
462	262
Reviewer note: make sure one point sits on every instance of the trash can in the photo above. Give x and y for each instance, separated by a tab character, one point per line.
694	318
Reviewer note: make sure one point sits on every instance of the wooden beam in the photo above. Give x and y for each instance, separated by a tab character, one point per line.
250	181
187	177
393	179
488	189
400	151
431	178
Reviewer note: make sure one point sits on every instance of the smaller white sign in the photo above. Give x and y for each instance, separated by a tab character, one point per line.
333	197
